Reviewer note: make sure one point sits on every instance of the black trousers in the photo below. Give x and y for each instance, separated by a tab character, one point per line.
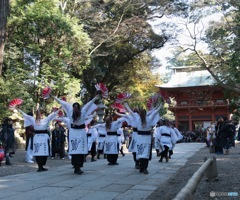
135	158
164	154
143	163
41	160
93	149
77	160
58	148
112	158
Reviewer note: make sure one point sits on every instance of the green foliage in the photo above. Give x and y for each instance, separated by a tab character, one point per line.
73	45
43	45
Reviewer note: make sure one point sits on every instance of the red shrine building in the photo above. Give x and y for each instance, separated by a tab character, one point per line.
198	100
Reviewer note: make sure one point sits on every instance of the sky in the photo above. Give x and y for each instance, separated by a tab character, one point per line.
182	37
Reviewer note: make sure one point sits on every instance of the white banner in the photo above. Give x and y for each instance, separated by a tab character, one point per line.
111	145
41	145
143	146
78	142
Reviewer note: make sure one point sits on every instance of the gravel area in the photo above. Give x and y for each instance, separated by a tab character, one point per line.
228	167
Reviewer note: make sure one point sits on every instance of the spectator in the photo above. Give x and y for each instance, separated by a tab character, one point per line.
58	141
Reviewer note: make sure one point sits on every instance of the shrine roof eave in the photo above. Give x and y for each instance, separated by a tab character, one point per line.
200	78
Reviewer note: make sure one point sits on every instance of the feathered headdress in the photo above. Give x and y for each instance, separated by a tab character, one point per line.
122	96
46	92
118	106
15	102
104	90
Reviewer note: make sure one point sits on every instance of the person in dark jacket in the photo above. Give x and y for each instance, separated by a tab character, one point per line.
227	133
219	137
8	139
58	141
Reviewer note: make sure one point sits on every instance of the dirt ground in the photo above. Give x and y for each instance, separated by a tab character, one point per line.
228	183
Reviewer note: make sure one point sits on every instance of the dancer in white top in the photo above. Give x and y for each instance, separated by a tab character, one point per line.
111	146
144	123
167	138
131	119
178	135
121	140
92	135
77	133
41	147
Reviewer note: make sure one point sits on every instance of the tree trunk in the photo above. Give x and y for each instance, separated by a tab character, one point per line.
4	12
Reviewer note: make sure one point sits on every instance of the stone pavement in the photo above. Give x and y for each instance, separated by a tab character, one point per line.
99	180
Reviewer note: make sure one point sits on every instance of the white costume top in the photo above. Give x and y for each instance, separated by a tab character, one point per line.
101	134
85	111
92	138
42	124
178	134
77	136
41	139
120	136
111	145
167	136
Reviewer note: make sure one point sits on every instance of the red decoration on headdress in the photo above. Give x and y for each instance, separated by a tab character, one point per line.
122	96
46	92
64	98
15	102
60	113
102	87
118	106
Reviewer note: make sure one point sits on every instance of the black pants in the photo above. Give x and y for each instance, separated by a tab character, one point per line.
112	158
93	150
121	150
41	161
143	163
164	154
58	148
135	158
77	160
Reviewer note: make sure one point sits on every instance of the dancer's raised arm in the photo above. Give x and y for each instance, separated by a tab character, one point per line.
67	107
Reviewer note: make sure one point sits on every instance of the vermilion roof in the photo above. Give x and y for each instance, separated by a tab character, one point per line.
189	79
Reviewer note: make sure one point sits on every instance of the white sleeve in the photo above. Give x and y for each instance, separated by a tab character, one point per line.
174	137
28	120
67	107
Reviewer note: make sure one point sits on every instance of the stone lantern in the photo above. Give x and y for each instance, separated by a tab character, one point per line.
101	111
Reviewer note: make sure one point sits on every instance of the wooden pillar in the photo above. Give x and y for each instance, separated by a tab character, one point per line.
190	122
213	114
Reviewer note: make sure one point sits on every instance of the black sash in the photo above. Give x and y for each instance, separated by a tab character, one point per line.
40	131
144	132
135	129
82	126
166	134
102	135
89	134
112	133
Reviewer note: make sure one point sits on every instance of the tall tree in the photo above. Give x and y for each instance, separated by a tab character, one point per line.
221	57
121	37
42	45
4	13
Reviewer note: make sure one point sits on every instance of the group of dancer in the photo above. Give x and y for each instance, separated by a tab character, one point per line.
82	132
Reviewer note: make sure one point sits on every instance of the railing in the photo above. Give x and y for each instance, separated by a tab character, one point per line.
209	168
